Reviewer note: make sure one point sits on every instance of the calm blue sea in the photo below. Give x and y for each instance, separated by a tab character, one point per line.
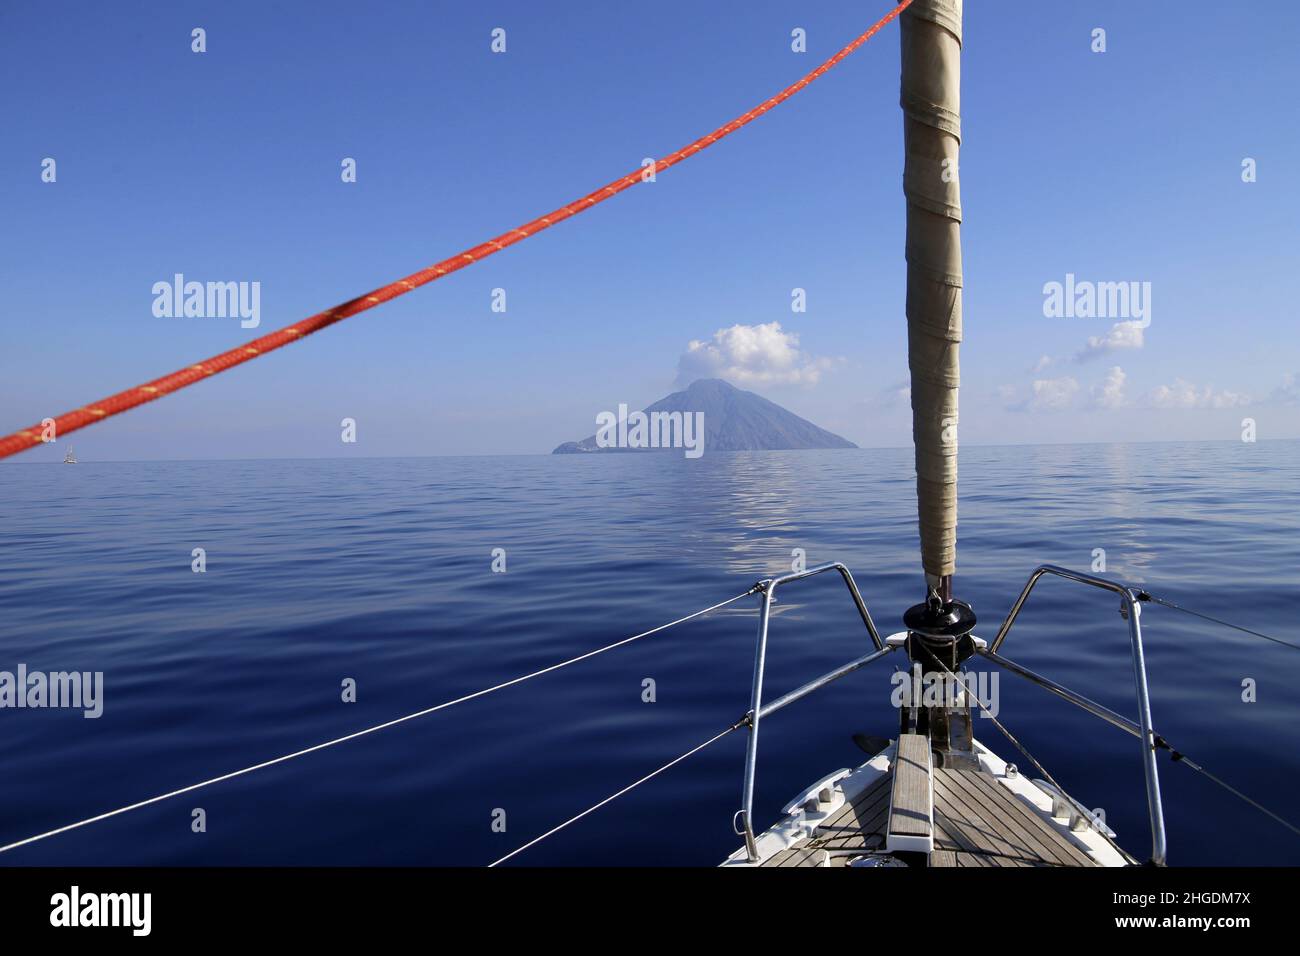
379	570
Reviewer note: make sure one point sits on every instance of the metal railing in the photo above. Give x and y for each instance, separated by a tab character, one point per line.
1131	608
757	710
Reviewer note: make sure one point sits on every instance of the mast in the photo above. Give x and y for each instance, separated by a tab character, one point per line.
939	629
931	102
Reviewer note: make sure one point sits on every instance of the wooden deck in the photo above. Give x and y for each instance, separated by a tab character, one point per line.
977	822
910	826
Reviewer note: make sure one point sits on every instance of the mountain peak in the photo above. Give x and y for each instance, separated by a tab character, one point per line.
705	386
718	383
730	418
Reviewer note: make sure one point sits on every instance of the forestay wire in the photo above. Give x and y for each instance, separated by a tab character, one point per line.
376	728
1214	620
632	786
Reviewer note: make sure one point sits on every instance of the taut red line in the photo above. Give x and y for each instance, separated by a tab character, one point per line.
123	401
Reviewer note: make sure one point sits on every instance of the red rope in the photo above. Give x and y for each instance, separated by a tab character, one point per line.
122	401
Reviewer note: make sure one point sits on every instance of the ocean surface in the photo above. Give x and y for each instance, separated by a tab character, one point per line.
379	571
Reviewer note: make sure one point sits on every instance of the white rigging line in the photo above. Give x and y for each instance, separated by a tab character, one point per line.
370	730
614	796
1236	627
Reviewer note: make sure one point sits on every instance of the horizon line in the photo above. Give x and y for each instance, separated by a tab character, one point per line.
551	454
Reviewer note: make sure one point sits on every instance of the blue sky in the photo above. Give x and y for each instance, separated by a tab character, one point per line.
1115	166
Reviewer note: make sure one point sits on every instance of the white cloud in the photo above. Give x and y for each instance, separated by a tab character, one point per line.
751	354
1183	394
1122	336
1288	393
1052	394
1110	393
1043	362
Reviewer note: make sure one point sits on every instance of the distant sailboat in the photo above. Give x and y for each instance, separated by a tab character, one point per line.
69	458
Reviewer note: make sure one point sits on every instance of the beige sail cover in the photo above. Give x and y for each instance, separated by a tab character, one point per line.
931	81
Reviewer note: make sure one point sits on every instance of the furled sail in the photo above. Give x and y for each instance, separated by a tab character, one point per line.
931	79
